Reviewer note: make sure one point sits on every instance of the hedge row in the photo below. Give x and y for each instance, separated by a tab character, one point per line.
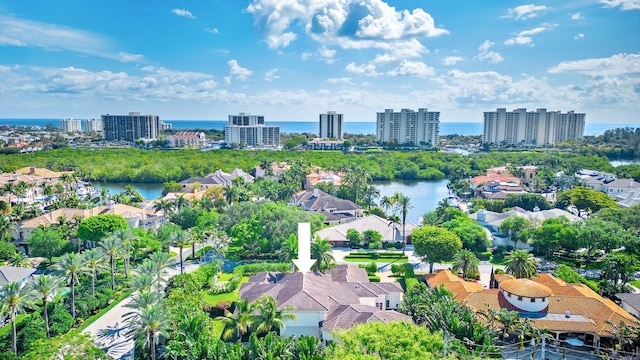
251	269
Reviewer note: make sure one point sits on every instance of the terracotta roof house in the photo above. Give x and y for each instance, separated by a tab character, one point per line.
564	310
318	175
335	209
186	139
136	217
277	169
216	178
323	303
390	231
492	221
496	185
10	274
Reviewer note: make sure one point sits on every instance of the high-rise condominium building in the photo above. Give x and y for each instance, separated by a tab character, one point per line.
540	127
249	130
92	125
408	127
131	127
70	125
331	125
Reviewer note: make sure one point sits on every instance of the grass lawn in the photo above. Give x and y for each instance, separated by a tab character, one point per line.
635	283
218	328
214	299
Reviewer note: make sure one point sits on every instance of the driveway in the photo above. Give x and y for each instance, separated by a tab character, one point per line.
110	329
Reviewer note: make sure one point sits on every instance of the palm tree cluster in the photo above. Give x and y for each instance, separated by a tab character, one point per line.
398	203
17	298
261	317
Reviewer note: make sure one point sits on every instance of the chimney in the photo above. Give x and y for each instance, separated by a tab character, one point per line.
315	192
32	170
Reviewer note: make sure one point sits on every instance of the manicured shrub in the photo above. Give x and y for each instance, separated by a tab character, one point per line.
60	320
374	278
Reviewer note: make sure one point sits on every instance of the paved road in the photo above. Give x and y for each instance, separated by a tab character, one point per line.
110	329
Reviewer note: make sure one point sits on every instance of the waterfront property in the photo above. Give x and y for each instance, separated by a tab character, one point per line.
533	128
326	303
391	231
409	127
336	210
250	130
131	127
331	125
569	312
216	178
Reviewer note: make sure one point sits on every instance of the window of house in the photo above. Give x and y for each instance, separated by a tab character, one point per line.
388	304
520	298
533	300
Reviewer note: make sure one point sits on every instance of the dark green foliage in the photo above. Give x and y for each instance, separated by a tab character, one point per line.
527	201
7	250
60	320
185	218
46	242
95	228
570	276
32	329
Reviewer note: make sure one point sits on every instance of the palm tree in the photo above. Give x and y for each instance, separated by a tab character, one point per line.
465	261
237	323
321	251
127	237
112	247
9	189
19	260
149	326
142	300
72	264
164	205
164	262
15	299
5	226
46	287
520	264
403	203
96	261
267	315
143	282
181	238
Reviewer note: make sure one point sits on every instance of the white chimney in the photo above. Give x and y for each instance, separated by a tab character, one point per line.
315	192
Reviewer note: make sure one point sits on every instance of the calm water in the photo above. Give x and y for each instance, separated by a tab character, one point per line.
149	191
424	195
352	127
624	162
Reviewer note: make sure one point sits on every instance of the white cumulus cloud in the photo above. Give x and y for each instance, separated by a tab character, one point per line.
125	57
525	11
619	64
577	16
622	4
415	68
237	70
451	60
184	13
347	23
579	36
211	30
364	69
486	54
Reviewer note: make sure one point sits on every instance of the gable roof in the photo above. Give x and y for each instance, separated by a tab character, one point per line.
346	316
389	232
495	219
10	274
318	200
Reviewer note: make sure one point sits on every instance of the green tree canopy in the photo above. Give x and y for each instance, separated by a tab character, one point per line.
95	228
585	199
392	341
434	244
527	201
46	242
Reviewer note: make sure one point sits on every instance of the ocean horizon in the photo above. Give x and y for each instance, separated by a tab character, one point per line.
289	127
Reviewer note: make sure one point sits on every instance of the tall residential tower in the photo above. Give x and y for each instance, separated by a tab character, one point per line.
130	127
540	127
331	125
249	130
408	127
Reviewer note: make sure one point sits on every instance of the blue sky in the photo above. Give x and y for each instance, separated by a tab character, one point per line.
293	59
